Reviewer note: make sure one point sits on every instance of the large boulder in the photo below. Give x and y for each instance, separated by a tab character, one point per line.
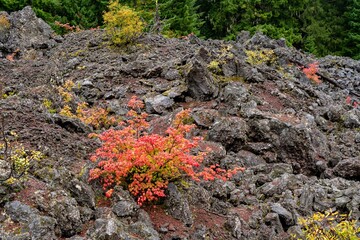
178	206
201	84
348	168
26	31
231	132
67	213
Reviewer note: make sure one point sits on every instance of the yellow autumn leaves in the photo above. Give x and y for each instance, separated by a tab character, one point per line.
122	23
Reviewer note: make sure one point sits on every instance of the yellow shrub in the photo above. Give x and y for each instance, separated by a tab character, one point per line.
214	67
258	57
65	91
18	158
122	23
329	226
48	105
4	22
97	117
66	111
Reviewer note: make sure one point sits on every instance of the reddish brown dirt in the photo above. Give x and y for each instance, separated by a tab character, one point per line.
11	227
26	195
213	222
264	92
244	213
288	118
195	104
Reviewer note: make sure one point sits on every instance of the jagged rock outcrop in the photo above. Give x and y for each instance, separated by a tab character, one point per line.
26	32
298	141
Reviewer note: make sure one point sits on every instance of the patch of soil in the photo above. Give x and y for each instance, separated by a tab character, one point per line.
26	195
170	227
196	104
243	212
266	93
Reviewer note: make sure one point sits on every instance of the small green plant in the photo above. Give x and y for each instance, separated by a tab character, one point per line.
146	163
122	23
15	156
329	226
48	105
263	56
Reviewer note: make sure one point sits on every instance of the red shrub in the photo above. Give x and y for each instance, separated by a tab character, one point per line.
311	71
145	163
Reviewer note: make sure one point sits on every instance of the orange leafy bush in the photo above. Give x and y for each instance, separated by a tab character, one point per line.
96	116
145	163
67	27
311	71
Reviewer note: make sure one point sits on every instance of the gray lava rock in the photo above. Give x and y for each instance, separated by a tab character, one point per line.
20	212
158	104
178	206
352	119
42	228
279	169
284	214
5	169
137	68
273	220
277	186
27	31
304	146
107	229
201	233
249	159
82	192
144	231
125	208
199	196
67	213
39	227
306	200
171	74
348	168
71	124
231	132
235	94
201	84
233	223
204	117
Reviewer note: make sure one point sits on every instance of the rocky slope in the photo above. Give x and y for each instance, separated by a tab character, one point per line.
299	141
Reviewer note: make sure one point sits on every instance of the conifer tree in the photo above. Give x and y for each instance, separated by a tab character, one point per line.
352	40
181	17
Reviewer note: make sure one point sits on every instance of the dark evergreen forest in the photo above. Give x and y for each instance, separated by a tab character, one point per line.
321	27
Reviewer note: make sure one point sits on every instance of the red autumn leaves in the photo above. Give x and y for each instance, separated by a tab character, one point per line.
145	163
311	72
